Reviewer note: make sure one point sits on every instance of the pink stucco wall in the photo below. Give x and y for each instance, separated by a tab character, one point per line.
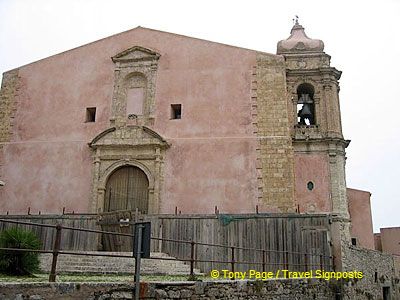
48	165
229	185
361	218
390	243
378	242
390	240
314	168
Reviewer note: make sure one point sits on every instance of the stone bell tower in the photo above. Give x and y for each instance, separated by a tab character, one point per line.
316	130
319	146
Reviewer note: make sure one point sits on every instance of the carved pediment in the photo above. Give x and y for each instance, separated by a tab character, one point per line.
136	53
128	136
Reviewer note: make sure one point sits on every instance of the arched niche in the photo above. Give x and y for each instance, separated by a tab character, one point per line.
135	71
135	90
305	104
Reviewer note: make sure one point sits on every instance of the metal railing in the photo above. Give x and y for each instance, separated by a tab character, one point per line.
191	260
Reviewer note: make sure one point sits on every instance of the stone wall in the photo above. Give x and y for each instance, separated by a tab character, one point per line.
282	289
9	89
8	93
378	272
275	154
272	289
397	265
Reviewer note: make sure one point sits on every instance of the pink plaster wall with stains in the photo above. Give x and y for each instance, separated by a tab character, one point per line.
48	164
361	217
314	168
390	240
377	241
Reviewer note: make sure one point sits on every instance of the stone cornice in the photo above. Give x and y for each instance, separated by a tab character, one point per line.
323	140
128	136
101	134
326	144
310	72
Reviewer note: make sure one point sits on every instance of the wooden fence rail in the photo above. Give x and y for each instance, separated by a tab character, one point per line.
269	242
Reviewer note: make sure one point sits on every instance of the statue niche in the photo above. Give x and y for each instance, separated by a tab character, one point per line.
135	92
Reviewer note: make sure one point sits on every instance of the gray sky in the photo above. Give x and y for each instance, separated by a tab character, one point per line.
361	36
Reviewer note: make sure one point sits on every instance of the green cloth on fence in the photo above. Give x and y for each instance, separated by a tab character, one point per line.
227	219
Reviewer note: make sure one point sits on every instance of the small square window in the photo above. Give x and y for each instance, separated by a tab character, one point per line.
91	114
176	111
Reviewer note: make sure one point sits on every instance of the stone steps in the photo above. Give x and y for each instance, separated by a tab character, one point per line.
80	264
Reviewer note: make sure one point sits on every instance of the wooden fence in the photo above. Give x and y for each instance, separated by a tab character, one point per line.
289	241
72	240
301	242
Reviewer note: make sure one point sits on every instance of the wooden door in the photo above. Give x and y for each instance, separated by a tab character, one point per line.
110	221
127	189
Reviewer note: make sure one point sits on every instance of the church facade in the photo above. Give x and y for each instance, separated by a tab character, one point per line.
161	122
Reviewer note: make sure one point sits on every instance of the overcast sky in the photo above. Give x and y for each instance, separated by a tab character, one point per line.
361	36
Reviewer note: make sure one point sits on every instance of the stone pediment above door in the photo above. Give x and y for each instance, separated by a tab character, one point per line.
136	53
128	136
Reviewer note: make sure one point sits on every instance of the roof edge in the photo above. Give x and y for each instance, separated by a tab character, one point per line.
136	28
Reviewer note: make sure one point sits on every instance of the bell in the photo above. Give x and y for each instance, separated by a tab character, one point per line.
305	112
305	98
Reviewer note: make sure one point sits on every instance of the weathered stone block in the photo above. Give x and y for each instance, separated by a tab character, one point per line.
174	294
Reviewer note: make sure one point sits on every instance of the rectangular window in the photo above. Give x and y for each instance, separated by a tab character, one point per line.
176	111
354	241
91	114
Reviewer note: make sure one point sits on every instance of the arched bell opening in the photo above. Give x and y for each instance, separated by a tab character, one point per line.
305	104
127	188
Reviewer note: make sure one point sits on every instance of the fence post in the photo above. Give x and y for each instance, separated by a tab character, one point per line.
287	259
264	254
56	248
305	262
321	262
192	259
233	259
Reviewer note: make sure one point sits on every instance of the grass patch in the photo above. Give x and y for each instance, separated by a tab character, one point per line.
40	277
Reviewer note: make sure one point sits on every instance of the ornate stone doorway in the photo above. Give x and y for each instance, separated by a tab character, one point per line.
127	169
127	188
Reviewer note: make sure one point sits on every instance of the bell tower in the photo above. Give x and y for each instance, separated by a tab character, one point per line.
316	129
